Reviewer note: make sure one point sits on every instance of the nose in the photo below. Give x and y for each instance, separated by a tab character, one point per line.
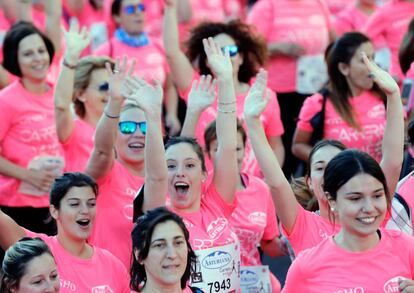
84	209
171	251
368	205
180	171
51	286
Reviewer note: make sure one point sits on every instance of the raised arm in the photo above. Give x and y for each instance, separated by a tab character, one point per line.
149	98
393	141
283	196
171	107
184	11
53	9
75	6
76	42
103	154
201	97
181	69
225	166
10	231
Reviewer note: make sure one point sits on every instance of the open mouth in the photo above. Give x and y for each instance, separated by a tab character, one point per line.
136	145
181	188
367	220
83	223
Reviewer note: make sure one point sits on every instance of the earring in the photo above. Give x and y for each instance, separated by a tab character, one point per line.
332	209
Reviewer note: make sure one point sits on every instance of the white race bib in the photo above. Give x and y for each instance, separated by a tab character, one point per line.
218	269
383	58
255	279
311	74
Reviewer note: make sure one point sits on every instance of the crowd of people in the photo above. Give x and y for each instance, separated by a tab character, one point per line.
165	145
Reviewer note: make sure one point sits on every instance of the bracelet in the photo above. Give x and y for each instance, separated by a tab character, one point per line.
227	103
226	112
70	66
110	116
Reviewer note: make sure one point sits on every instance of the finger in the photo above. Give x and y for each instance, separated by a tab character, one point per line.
207	82
194	85
207	48
122	68
74	25
84	32
108	68
201	81
132	67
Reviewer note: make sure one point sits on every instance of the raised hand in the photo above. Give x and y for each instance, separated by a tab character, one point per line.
202	94
147	96
117	77
219	61
258	96
76	39
381	77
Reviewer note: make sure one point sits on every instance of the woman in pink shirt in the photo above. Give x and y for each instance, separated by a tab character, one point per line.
85	83
354	259
354	107
29	266
306	229
82	267
254	221
206	209
131	39
354	16
30	153
163	258
248	54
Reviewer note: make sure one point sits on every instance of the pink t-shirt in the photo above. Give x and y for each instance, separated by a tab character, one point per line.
303	22
27	133
78	146
150	59
391	22
101	273
371	116
113	222
337	6
253	220
350	19
309	230
406	190
270	119
210	226
214	10
330	268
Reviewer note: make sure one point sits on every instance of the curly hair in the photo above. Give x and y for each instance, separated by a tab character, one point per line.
251	46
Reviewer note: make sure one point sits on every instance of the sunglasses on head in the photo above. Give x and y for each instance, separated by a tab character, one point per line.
232	49
104	87
129	127
131	9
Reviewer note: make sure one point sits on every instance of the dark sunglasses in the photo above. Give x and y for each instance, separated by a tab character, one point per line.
104	87
129	127
233	50
131	9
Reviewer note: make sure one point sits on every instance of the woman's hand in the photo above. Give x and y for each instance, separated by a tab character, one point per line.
117	78
386	83
406	285
147	96
41	179
202	94
76	39
258	97
219	61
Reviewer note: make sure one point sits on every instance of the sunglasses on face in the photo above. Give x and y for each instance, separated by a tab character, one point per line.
104	87
129	127
131	9
232	49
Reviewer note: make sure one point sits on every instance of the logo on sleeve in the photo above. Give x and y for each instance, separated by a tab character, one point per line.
258	218
102	289
392	285
217	227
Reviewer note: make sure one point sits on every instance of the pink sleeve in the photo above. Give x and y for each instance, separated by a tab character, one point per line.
103	50
272	123
271	229
342	23
376	26
311	106
44	237
261	16
184	93
213	198
296	278
6	118
326	14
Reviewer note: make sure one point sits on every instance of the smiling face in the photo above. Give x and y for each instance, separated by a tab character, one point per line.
33	58
130	147
132	23
185	176
318	163
356	72
95	96
167	257
41	276
76	215
360	205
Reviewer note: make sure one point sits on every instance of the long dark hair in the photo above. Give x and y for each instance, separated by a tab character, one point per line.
406	52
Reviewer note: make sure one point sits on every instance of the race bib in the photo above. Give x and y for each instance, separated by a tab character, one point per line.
255	279
99	35
383	58
42	163
311	74
218	269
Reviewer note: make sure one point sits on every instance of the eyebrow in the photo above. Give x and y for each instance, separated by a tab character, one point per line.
163	239
360	193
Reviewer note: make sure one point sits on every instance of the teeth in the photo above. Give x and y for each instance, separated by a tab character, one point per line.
136	145
180	184
367	220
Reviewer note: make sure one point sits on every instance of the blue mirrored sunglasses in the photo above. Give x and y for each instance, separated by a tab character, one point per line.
129	127
131	9
233	50
104	87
